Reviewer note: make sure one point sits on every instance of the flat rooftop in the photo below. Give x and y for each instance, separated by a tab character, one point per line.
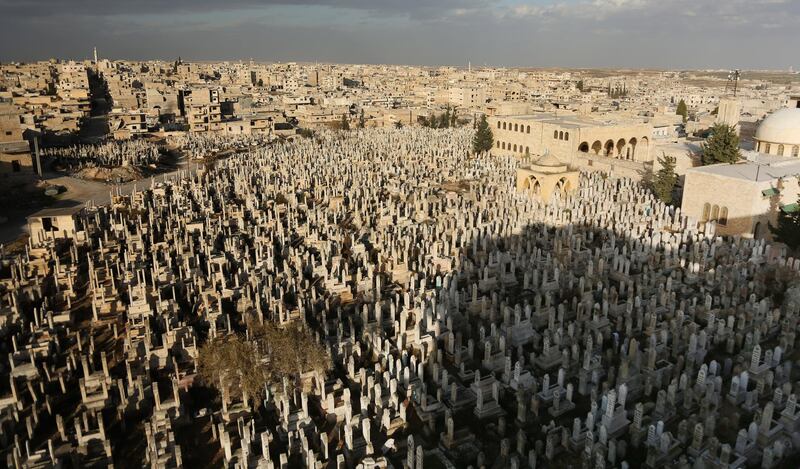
758	167
570	120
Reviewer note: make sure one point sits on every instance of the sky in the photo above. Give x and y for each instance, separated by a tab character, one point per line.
682	34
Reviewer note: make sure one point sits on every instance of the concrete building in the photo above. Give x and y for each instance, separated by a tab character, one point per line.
564	136
546	176
744	198
729	112
614	145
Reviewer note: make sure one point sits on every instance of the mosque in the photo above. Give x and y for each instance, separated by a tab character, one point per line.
546	176
779	133
744	198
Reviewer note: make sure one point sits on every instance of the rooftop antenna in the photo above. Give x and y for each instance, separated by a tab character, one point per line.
733	80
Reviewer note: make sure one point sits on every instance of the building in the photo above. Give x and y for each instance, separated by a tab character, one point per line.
729	112
54	223
743	198
15	155
546	176
613	145
779	133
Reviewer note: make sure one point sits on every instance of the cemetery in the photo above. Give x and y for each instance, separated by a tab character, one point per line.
388	299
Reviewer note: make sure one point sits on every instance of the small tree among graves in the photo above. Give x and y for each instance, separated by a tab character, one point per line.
240	366
665	179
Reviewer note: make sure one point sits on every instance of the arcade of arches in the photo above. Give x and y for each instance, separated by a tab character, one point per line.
622	149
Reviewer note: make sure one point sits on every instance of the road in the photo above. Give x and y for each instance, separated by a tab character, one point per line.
81	192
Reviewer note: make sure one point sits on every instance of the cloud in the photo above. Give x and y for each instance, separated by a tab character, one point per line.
41	8
566	33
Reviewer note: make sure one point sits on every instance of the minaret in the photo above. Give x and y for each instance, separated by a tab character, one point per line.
95	55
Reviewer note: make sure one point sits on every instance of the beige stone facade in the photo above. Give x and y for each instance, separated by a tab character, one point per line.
566	136
742	199
546	176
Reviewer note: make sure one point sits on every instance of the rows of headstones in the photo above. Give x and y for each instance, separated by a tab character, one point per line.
139	152
198	146
468	325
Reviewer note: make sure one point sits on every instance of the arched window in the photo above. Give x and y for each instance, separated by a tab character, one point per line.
515	127
504	126
796	150
597	147
528	130
566	136
561	135
766	148
555	134
498	124
503	145
715	213
723	216
583	147
527	150
609	147
706	212
498	143
515	147
780	150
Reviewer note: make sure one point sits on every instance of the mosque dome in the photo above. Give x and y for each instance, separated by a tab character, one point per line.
780	127
548	163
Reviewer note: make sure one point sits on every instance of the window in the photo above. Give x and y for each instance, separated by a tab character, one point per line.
566	136
555	134
780	150
504	126
528	130
706	212
561	135
504	145
715	213
515	147
766	148
498	124
795	150
515	127
498	144
723	216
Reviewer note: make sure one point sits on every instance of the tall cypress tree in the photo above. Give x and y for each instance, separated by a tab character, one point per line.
484	139
345	122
